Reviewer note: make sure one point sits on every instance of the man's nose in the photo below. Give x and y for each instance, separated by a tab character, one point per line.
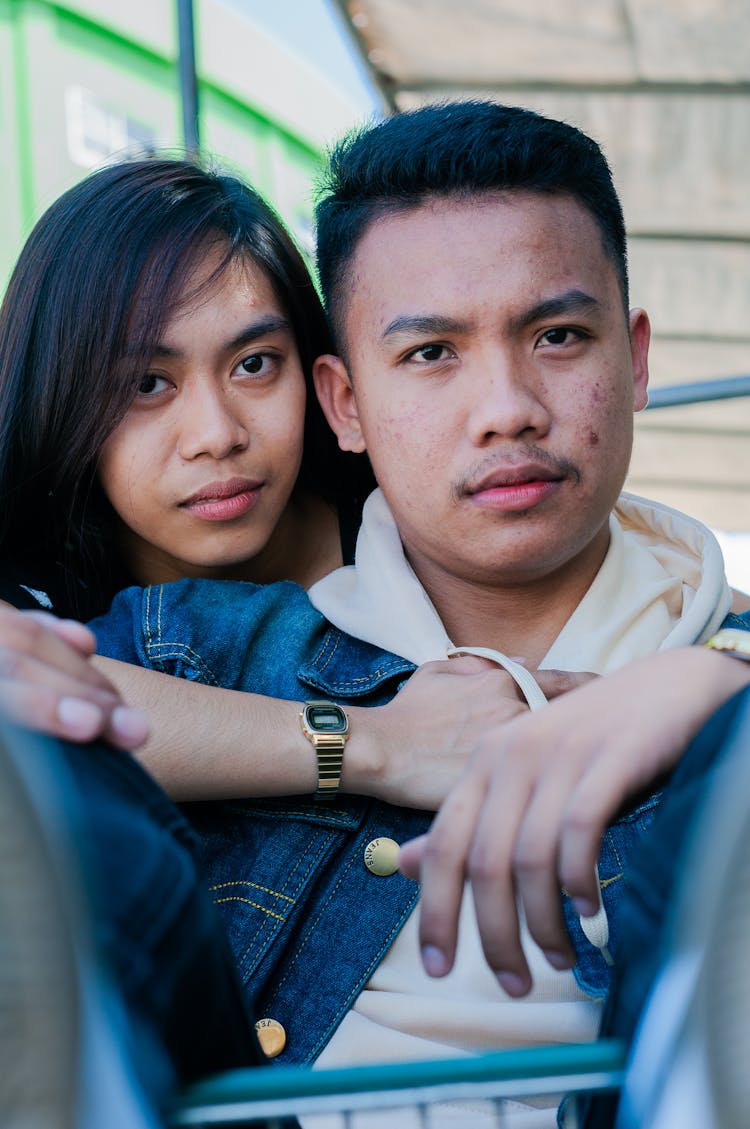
507	401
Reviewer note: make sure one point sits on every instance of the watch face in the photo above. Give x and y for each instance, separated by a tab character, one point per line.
326	718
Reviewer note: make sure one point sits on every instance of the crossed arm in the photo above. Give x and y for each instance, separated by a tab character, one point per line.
528	814
525	797
202	742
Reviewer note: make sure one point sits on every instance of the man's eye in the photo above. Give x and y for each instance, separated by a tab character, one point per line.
151	384
430	354
561	335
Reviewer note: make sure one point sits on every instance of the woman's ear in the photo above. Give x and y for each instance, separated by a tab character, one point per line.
336	395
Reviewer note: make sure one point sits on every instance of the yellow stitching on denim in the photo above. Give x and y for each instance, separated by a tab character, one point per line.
147	595
331	643
268	912
254	886
323	909
307	863
330	817
158	612
605	882
184	648
160	652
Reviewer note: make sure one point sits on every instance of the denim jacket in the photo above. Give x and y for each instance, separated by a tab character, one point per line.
306	919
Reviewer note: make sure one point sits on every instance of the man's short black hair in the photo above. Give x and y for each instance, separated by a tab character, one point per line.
455	149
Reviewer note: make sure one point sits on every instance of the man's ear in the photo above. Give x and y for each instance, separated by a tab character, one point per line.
640	338
334	388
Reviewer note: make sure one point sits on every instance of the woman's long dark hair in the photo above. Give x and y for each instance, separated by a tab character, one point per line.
100	275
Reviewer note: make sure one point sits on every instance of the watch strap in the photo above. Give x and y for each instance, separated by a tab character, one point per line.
329	746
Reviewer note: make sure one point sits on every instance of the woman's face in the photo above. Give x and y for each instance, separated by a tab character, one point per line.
202	467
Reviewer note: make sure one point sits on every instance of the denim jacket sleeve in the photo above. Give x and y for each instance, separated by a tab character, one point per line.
267	639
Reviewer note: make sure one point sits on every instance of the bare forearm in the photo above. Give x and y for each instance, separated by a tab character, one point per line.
207	743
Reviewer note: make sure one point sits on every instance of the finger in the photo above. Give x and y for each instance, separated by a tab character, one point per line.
28	637
126	728
41	709
460	664
17	667
410	857
76	634
590	809
443	874
493	889
536	869
555	683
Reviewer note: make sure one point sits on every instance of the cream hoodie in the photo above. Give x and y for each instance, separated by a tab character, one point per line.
661	585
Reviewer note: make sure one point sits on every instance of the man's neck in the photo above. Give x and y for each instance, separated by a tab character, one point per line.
521	619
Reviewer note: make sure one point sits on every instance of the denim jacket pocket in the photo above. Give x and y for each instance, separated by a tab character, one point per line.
261	858
591	971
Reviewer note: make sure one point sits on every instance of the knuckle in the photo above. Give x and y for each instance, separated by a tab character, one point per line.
439	849
531	857
483	865
11	663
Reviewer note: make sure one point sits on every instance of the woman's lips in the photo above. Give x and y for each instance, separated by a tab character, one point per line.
223	501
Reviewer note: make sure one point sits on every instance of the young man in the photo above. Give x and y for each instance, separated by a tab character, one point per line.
472	258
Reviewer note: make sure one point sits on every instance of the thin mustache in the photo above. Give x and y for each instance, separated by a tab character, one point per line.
507	459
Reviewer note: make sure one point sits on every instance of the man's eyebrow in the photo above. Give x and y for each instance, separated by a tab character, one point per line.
424	325
561	305
274	323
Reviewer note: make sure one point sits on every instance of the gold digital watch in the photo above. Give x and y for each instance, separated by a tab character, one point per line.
326	727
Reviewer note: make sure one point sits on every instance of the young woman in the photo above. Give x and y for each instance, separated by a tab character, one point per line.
157	420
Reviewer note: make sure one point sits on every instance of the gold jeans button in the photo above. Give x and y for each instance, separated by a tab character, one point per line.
381	856
271	1036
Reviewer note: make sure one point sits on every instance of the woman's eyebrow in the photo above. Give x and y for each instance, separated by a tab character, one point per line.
275	323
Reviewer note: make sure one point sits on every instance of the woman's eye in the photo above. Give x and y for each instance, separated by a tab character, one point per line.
151	384
257	364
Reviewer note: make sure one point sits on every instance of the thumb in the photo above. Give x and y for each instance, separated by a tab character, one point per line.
410	857
555	683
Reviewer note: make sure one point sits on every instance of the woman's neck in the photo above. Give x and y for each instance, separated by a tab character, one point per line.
305	545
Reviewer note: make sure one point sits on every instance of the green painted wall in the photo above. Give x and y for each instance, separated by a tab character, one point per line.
72	84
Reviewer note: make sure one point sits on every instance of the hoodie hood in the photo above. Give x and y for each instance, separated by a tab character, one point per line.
661	585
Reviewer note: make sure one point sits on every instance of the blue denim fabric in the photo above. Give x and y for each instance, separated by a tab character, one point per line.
307	921
154	927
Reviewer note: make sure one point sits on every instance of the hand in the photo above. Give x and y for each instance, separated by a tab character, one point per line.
413	750
48	684
528	814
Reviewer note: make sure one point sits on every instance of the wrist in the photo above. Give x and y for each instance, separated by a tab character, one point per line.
364	763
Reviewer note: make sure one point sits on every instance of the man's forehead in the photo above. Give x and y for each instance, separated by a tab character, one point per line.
416	261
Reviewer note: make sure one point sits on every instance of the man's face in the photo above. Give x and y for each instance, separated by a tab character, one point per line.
493	381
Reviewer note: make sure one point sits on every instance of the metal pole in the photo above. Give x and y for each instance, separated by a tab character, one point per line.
700	392
188	78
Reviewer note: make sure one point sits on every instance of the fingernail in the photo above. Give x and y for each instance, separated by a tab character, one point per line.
434	961
130	724
513	984
560	961
520	659
585	907
79	717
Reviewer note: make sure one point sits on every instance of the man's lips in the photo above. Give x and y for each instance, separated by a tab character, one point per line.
223	501
515	488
